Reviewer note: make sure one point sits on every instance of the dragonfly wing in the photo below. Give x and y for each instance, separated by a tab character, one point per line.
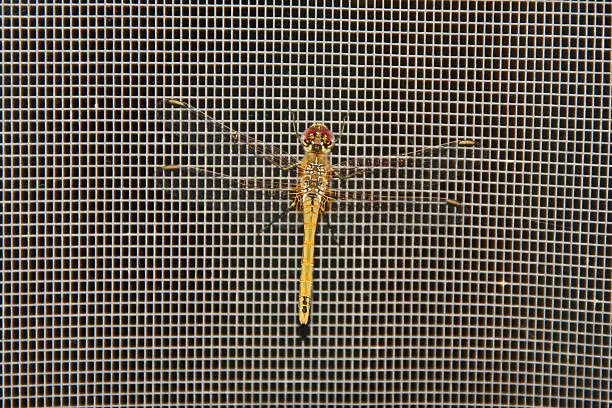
245	143
424	157
196	183
400	212
368	197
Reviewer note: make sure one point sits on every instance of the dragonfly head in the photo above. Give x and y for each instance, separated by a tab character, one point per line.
318	138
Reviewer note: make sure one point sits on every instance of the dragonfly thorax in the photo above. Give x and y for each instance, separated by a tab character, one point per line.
314	181
318	137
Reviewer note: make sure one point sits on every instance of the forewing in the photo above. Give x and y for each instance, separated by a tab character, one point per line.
245	143
424	157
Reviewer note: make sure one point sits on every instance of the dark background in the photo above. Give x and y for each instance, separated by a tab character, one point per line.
119	292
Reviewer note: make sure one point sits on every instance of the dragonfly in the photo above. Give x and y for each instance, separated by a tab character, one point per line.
311	193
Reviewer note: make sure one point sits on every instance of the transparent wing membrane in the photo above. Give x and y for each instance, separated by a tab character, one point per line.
195	182
421	157
245	143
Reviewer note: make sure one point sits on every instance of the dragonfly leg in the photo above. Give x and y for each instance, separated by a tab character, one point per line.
294	165
332	230
278	217
292	114
344	177
342	127
291	166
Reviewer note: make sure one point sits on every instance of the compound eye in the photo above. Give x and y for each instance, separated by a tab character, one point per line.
328	138
309	137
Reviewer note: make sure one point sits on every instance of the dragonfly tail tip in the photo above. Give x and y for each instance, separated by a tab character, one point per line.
304	331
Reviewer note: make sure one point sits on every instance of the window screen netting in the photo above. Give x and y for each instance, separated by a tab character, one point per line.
127	285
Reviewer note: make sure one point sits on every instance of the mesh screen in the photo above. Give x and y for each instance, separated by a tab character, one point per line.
124	285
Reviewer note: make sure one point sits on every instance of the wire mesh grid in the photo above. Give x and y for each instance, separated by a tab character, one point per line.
124	288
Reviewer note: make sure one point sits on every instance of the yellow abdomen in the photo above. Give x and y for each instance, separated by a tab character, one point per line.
311	207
